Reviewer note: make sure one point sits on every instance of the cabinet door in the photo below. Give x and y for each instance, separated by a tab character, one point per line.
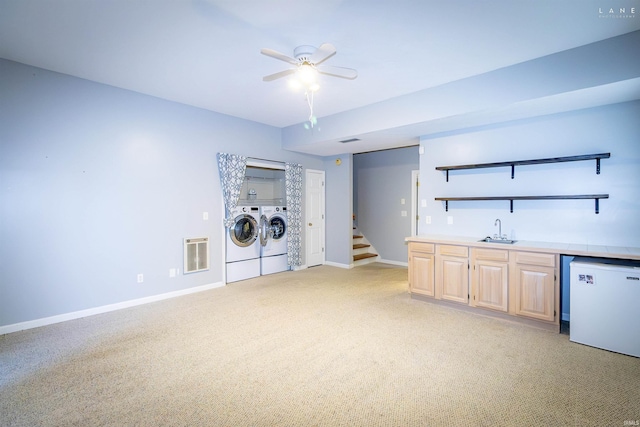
421	272
453	278
490	285
535	292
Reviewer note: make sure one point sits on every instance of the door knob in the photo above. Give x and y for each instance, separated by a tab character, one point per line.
310	224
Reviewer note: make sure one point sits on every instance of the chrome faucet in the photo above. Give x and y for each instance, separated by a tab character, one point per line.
499	224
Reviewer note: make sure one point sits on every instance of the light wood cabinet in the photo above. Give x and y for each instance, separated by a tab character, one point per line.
519	284
422	268
490	279
534	283
452	273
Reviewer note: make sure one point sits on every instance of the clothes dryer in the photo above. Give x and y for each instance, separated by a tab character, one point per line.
242	245
273	239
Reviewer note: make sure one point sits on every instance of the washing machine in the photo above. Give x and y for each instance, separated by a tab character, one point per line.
273	239
243	245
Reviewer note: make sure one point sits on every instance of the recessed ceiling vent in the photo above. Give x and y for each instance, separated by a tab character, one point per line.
350	140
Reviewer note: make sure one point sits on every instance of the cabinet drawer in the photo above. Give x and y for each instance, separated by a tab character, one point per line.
533	258
491	254
428	248
459	251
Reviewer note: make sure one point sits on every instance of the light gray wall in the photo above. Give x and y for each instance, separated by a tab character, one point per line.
614	129
338	206
98	184
381	179
565	280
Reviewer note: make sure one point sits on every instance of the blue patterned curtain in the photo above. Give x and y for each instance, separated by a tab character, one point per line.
293	180
232	169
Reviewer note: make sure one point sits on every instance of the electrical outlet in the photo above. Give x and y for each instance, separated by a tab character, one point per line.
449	220
427	219
403	213
172	272
205	216
140	278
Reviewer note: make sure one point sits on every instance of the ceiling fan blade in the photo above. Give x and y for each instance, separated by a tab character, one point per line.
324	52
277	55
344	73
275	76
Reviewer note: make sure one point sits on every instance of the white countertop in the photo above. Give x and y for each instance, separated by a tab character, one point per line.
533	246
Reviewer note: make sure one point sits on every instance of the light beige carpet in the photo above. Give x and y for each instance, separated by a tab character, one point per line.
323	346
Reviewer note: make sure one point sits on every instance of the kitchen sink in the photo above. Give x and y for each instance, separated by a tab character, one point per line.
503	241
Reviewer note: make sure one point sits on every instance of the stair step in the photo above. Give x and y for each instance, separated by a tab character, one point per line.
360	246
357	237
364	256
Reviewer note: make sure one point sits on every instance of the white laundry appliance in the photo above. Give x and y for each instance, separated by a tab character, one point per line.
603	299
273	239
243	246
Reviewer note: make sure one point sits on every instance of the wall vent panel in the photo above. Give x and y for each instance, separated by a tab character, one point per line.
196	254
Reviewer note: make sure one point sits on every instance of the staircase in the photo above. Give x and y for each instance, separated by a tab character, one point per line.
363	252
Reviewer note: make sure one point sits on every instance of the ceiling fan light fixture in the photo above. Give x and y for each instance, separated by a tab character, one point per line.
295	84
308	62
307	74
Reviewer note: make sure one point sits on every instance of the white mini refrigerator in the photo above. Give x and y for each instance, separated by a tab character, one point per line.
605	304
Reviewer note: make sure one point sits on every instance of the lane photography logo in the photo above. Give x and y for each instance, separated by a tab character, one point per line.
619	12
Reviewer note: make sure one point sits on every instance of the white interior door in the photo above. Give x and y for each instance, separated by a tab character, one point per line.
315	225
415	175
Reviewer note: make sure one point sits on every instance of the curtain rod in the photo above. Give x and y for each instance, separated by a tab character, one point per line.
265	160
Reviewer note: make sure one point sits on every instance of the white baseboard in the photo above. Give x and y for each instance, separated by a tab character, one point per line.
336	264
349	266
7	329
388	261
565	317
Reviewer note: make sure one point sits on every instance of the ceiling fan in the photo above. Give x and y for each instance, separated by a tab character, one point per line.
309	59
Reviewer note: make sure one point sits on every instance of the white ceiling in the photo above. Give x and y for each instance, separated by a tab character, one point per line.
206	53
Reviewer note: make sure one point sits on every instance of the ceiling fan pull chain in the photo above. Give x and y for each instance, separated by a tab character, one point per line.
310	102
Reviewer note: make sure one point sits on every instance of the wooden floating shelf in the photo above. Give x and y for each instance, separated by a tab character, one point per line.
595	197
515	163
